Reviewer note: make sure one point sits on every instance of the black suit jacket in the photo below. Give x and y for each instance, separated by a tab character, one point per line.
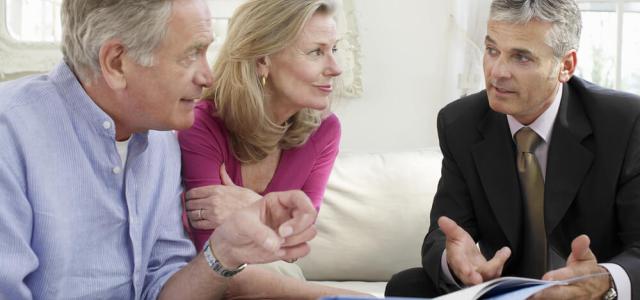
592	181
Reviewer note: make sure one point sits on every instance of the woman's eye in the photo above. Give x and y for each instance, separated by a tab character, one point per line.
316	52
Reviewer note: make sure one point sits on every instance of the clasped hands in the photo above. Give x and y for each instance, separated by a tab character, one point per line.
251	228
469	265
276	227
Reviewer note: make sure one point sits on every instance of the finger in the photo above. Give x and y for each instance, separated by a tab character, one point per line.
224	176
451	229
262	235
202	224
197	204
295	252
196	215
301	237
296	200
580	249
493	268
296	225
293	211
199	192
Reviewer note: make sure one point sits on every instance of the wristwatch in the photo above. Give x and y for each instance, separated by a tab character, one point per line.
216	266
611	294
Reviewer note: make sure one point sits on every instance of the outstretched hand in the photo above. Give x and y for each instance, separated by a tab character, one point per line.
277	227
581	262
465	259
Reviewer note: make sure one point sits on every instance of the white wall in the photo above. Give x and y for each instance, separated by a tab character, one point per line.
404	53
404	46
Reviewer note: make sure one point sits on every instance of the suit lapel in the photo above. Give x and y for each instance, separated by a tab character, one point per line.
495	161
568	160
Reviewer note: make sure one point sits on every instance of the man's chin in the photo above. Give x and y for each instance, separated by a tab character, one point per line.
181	124
498	105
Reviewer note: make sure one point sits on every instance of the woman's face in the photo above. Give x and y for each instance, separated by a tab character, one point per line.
301	75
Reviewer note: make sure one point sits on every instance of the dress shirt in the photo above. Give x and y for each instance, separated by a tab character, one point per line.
75	223
543	126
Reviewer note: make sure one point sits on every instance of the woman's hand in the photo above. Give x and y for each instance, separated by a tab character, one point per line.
208	206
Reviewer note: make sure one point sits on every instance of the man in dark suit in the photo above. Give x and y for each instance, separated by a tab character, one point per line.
583	167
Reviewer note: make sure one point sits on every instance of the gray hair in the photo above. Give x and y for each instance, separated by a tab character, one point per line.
563	14
87	24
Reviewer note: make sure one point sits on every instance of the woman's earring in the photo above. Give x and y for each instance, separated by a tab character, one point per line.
264	80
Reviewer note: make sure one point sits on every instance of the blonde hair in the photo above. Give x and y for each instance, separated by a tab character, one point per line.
257	29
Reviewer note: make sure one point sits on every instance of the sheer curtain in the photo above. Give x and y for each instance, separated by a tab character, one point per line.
468	23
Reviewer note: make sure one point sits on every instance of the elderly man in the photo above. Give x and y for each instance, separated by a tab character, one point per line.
541	170
91	192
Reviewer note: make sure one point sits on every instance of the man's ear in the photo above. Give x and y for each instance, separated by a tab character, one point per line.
262	66
112	55
568	65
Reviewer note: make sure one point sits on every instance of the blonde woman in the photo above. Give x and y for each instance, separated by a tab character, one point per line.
263	126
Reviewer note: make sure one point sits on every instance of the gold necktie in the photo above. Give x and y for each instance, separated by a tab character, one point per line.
532	187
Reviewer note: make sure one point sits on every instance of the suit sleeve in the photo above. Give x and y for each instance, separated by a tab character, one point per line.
628	211
452	199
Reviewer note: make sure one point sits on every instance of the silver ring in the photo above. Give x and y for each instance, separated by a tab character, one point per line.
200	215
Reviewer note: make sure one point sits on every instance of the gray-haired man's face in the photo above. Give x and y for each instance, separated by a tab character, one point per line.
521	72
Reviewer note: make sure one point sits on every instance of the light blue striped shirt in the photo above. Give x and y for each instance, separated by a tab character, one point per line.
74	224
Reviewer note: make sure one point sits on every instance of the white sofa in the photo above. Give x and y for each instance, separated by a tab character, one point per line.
373	220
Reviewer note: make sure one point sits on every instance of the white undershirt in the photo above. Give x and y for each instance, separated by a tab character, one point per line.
123	148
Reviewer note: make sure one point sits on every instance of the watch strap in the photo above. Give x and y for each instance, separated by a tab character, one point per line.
216	266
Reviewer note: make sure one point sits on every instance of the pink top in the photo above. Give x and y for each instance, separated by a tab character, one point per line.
205	148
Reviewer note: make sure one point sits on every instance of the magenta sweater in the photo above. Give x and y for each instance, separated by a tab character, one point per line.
205	147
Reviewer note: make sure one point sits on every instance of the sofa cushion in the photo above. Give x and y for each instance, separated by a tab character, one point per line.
374	216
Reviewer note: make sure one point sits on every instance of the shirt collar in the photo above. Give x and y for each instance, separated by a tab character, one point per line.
543	125
81	106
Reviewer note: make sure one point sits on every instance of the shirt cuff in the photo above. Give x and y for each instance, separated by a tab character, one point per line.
620	279
448	277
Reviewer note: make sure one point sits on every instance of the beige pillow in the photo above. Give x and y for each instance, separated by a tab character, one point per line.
374	216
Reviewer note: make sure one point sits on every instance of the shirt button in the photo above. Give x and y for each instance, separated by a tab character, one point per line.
116	170
106	124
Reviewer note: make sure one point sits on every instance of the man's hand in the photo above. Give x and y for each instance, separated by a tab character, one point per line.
208	206
581	262
276	227
465	259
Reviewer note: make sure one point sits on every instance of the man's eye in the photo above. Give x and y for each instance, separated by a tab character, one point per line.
522	58
491	51
193	55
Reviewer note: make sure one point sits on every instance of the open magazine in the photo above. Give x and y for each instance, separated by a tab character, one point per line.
512	288
503	288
